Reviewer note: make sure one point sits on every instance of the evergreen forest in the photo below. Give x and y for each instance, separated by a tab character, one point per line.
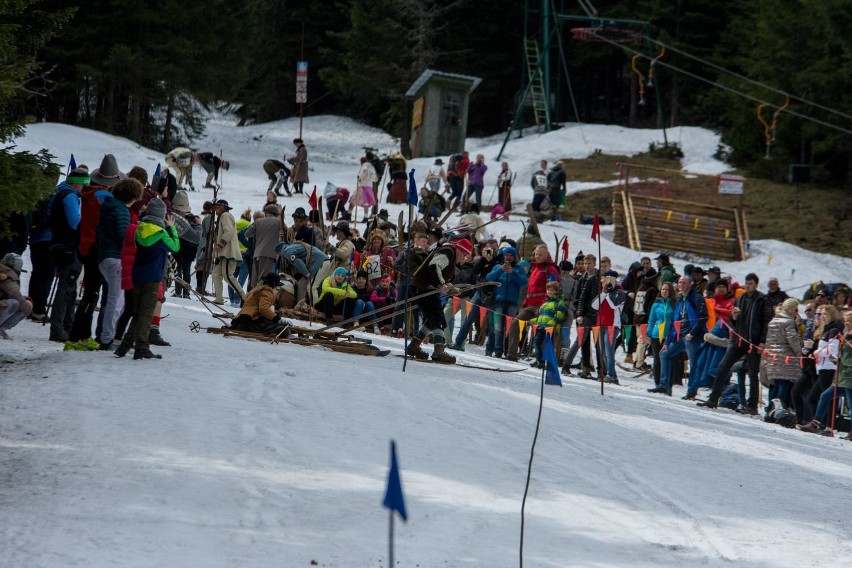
144	69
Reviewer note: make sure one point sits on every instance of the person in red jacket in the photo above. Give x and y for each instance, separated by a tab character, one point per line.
543	271
723	300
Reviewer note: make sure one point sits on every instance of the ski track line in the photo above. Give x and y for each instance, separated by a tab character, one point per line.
647	491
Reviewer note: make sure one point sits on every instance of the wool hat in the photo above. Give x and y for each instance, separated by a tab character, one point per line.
383	214
13	261
156	208
78	176
108	173
340	272
698	269
180	203
566	266
299	213
510	250
224	204
664	257
464	246
362	274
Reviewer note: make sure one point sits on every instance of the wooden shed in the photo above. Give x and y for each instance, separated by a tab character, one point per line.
439	111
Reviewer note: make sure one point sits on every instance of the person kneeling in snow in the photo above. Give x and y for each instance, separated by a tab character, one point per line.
258	312
14	307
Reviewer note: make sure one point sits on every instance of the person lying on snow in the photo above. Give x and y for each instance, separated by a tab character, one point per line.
258	314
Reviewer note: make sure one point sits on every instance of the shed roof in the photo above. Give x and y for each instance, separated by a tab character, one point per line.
429	73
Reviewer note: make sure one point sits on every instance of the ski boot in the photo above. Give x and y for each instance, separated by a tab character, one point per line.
415	351
441	356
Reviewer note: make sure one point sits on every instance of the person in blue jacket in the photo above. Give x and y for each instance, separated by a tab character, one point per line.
512	278
661	314
685	334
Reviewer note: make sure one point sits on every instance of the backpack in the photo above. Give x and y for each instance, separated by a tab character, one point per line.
40	215
730	397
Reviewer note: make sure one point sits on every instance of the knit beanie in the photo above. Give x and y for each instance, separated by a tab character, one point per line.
78	175
156	208
340	272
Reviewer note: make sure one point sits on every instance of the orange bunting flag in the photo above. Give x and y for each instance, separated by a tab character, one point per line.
677	325
456	303
787	360
595	331
581	331
643	332
482	314
534	328
611	330
548	330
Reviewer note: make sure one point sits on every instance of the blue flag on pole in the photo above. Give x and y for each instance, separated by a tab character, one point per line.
158	172
412	189
72	164
393	494
551	376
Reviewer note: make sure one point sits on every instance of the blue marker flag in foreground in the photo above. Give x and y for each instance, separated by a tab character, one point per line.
551	376
72	164
412	189
157	172
393	494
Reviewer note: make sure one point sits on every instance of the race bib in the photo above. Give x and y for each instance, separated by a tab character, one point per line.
541	180
373	266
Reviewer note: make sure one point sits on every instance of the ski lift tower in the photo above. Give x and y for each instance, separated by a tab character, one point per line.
543	34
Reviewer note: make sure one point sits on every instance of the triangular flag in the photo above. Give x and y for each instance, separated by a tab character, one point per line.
548	353
534	327
548	330
158	172
312	200
595	332
456	303
628	332
611	330
643	332
412	189
482	313
521	324
661	332
72	164
565	248
394	499
677	325
581	331
596	229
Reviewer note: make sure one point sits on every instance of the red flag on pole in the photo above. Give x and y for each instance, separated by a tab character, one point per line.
596	230
312	200
564	249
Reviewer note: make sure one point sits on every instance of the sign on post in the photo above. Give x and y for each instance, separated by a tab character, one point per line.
730	184
301	82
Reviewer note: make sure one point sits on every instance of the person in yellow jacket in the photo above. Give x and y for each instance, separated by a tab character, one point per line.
226	252
337	297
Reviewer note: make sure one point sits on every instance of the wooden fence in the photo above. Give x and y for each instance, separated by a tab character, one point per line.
655	223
